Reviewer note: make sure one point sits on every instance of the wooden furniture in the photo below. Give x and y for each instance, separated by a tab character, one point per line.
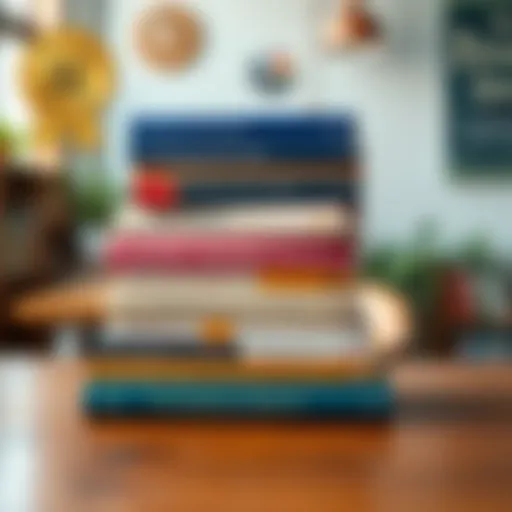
35	236
419	462
81	302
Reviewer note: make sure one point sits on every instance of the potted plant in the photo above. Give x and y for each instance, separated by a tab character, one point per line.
414	268
442	285
94	199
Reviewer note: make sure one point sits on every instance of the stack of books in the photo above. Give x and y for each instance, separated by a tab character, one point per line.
233	284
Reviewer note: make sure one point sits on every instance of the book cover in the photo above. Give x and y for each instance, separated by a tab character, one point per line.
244	137
162	192
200	170
365	399
117	364
324	219
245	341
237	299
229	252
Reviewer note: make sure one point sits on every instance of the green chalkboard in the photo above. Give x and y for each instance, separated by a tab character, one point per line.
479	87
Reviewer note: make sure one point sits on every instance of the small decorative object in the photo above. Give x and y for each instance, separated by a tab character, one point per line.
157	191
67	78
274	74
353	26
168	37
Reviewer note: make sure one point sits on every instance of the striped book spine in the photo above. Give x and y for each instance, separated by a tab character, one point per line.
245	342
119	364
161	192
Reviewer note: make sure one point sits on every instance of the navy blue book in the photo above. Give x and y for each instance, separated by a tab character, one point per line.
243	138
370	400
227	193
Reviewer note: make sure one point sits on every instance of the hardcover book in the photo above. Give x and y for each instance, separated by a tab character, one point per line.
322	219
228	252
360	399
239	299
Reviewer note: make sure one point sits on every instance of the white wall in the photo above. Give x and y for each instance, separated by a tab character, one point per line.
235	31
396	90
12	107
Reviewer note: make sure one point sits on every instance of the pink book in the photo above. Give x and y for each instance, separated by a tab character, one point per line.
206	252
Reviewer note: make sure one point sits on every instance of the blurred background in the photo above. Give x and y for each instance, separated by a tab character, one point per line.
439	237
191	190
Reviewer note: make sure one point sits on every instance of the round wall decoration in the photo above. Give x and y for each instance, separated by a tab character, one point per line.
273	73
168	37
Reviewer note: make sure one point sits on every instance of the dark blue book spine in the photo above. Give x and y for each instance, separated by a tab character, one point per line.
361	400
275	138
227	193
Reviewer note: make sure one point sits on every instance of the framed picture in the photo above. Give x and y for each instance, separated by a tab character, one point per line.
479	87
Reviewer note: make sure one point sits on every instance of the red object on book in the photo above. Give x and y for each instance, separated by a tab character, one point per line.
205	252
155	191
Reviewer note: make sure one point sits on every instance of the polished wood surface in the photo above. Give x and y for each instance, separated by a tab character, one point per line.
54	460
80	301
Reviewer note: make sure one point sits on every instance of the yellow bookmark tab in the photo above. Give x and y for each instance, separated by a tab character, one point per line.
218	331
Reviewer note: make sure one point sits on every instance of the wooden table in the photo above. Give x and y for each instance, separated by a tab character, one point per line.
83	301
54	460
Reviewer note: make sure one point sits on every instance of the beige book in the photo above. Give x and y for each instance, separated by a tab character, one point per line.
311	219
242	298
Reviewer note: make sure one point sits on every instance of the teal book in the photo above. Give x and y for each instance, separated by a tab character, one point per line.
355	400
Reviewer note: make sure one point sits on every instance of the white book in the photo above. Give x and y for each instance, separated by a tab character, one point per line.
250	342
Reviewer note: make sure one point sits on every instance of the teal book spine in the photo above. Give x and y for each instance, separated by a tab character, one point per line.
356	400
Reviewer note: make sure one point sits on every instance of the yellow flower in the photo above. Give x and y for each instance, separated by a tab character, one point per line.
67	78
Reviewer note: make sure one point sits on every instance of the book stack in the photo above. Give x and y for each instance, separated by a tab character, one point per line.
233	282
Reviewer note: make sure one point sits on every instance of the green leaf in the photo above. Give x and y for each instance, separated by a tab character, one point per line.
94	198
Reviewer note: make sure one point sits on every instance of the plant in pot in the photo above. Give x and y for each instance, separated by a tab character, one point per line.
414	268
94	199
8	142
487	336
438	282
